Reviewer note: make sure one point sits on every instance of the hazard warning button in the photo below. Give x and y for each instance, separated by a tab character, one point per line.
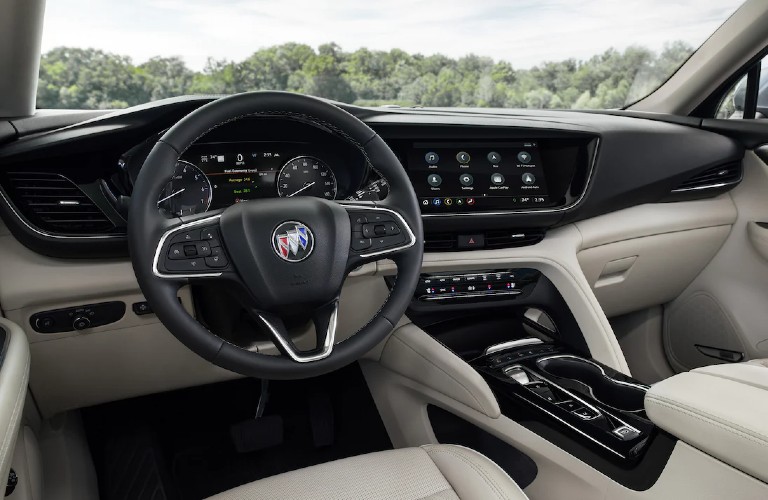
467	241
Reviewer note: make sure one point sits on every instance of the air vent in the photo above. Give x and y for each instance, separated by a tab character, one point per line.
720	177
507	239
443	242
449	242
55	204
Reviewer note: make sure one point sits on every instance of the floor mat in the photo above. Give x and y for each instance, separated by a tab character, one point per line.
187	434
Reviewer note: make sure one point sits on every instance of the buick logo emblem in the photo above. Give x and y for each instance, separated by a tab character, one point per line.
293	241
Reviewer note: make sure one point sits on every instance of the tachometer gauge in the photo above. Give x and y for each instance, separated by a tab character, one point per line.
306	176
189	191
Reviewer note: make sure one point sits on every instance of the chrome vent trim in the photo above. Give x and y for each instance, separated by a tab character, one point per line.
719	177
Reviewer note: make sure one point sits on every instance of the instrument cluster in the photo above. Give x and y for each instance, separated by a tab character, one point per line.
216	175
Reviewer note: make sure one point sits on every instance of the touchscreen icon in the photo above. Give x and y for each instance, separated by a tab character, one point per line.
431	158
434	180
494	157
466	179
524	157
529	178
462	157
497	179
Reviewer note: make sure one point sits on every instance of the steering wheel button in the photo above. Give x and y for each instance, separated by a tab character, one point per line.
186	236
203	249
176	251
190	251
216	261
358	219
359	244
209	233
387	242
380	218
213	243
391	228
186	265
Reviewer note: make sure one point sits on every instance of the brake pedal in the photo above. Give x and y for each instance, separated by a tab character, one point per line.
260	432
322	420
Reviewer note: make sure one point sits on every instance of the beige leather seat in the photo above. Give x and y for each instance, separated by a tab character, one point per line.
435	472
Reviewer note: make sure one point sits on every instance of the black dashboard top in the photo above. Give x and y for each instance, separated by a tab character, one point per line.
473	169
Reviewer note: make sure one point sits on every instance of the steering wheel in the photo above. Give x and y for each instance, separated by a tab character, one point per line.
282	256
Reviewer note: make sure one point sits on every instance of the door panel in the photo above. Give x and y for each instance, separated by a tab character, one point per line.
727	304
14	375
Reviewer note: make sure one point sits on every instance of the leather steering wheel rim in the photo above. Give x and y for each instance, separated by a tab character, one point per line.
147	227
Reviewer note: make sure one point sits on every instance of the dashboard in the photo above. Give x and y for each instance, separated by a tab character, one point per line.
501	177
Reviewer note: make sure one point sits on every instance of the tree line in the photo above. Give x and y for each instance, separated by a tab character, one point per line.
93	79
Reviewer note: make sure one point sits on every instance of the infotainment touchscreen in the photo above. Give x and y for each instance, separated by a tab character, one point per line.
478	177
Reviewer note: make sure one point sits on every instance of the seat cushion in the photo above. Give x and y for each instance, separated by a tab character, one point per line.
435	472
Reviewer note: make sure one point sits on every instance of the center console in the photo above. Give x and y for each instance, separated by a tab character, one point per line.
592	401
517	332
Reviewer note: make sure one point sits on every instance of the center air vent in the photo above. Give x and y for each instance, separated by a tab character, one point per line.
491	240
55	204
724	176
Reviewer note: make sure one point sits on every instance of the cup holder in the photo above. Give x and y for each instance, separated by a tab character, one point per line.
614	393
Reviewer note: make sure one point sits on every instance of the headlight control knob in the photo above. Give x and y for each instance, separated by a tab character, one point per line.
81	323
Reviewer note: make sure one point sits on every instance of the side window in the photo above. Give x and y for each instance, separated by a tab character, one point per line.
748	99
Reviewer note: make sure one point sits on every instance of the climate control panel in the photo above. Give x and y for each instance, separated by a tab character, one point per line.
475	285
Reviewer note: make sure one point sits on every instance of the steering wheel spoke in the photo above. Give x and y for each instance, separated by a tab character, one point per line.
377	232
192	250
325	319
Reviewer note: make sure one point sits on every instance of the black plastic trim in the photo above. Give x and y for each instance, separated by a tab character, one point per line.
5	340
638	477
750	133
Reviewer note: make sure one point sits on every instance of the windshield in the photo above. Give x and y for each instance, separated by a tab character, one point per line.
567	54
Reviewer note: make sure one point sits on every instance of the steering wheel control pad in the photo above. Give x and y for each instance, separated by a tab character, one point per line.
288	251
192	251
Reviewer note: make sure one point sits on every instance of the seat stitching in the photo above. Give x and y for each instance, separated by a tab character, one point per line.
476	467
471	394
447	490
737	430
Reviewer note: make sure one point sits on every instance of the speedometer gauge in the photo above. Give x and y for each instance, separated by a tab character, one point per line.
306	176
189	191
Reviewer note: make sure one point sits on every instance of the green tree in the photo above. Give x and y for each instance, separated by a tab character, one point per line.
89	78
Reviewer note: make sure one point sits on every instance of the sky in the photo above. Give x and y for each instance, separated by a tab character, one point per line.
523	32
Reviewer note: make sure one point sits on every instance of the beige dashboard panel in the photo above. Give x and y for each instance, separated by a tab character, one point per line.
634	274
656	218
135	355
139	356
555	257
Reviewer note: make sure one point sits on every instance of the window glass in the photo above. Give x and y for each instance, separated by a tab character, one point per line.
499	53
